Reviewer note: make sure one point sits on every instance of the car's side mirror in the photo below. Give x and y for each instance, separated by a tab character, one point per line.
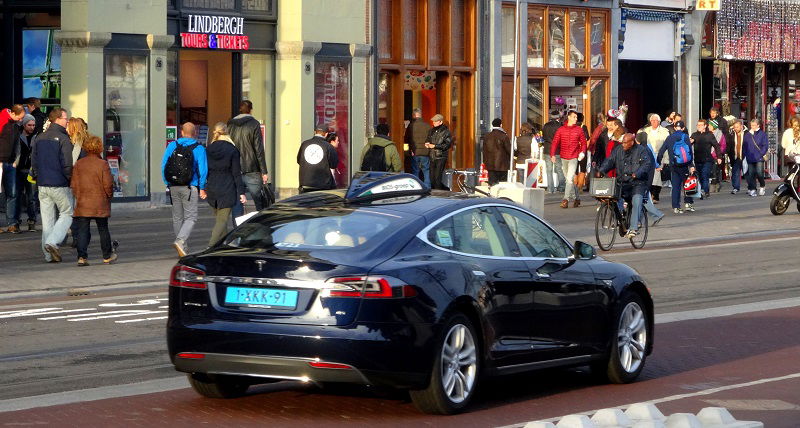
584	251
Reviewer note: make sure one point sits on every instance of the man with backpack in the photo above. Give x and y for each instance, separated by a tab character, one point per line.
681	165
380	153
184	169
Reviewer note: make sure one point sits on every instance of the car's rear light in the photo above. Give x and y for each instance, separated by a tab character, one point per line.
370	287
191	356
324	365
187	277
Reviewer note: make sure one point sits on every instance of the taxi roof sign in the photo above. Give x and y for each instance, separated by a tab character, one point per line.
380	185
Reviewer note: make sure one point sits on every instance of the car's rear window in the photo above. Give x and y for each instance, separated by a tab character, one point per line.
339	228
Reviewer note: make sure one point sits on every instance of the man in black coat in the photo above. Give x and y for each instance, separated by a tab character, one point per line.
633	163
245	131
548	132
317	157
439	141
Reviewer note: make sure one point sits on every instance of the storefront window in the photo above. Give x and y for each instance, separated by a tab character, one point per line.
257	5
721	87
332	106
556	39
126	123
455	114
457	31
41	66
210	4
435	41
258	86
385	35
384	98
577	39
507	53
535	38
172	88
535	113
598	41
410	30
597	94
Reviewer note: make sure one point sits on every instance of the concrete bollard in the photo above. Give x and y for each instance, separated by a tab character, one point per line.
644	412
539	425
575	421
611	418
683	420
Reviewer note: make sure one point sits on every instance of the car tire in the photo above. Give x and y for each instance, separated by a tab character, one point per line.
629	342
457	370
218	386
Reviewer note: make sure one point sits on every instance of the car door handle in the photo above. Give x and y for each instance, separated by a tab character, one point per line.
542	274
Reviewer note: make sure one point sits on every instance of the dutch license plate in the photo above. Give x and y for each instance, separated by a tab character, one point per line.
261	297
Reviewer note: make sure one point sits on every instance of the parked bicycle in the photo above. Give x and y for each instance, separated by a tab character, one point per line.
611	220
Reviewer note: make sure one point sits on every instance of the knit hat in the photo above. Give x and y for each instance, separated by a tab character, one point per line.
679	124
714	123
437	118
27	118
614	113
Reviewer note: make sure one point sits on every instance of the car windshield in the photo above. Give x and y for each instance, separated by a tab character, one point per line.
321	228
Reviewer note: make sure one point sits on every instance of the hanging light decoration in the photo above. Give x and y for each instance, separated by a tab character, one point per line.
759	30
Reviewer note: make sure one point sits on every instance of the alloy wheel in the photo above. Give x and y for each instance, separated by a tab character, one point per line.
632	337
459	363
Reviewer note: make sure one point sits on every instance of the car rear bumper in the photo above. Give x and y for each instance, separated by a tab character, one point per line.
273	367
397	355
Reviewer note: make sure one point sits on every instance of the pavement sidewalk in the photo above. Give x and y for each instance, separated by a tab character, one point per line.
146	236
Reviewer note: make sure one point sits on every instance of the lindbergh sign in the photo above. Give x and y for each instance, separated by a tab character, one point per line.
215	32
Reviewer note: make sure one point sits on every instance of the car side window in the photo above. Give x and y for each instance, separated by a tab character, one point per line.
533	237
475	231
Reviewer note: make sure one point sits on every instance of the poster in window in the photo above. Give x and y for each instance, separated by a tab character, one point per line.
332	106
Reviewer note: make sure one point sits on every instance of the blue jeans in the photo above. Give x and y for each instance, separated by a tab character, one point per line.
422	163
636	205
705	175
12	194
252	182
549	172
651	208
736	173
755	171
679	175
54	226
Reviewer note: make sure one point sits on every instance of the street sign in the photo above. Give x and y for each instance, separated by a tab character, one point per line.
172	133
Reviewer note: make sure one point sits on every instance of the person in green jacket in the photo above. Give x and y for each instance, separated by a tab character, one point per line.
392	161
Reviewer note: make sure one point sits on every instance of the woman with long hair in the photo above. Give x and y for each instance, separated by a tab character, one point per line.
791	141
224	184
91	185
77	129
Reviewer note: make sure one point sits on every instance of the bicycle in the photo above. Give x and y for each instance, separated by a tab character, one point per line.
608	221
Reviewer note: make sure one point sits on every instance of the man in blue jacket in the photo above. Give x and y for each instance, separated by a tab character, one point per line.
51	167
185	195
756	145
633	164
679	167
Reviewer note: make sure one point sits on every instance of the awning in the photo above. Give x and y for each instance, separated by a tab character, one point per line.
652	16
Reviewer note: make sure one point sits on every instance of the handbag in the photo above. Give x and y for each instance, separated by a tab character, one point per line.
580	180
666	172
267	195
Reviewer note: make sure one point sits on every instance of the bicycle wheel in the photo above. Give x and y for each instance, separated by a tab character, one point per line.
641	237
605	226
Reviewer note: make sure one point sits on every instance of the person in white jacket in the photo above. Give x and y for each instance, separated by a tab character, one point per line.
791	140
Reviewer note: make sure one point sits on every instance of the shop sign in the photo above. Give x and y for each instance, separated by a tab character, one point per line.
172	133
332	106
707	4
215	32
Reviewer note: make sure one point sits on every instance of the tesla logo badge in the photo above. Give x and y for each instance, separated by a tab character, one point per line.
261	264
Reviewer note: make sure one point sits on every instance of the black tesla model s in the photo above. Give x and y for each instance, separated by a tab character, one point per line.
388	283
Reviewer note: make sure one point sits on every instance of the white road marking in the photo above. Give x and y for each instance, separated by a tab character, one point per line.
140	320
102	317
27	310
676	397
137	303
701	247
36	313
61	317
724	311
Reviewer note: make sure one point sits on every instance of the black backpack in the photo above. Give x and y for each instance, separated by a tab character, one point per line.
180	165
375	159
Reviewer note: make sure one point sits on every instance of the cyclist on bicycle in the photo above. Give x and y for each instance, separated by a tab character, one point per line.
633	163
